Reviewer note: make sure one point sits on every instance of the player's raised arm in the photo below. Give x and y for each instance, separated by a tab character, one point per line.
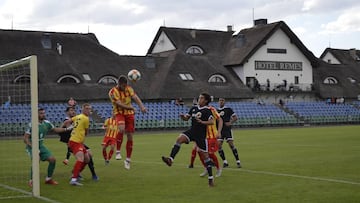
139	103
67	123
62	130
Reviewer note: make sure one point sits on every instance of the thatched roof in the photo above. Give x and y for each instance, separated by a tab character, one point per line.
201	67
81	54
347	74
255	37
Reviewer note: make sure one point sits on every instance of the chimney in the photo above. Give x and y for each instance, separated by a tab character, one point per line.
352	53
193	34
229	28
261	21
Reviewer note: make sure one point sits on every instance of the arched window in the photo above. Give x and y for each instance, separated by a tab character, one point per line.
108	80
22	79
217	78
330	80
194	50
66	79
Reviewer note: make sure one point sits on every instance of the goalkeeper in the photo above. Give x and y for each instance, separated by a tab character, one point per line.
45	154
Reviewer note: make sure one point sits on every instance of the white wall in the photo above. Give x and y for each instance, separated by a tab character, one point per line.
163	44
329	58
239	70
279	40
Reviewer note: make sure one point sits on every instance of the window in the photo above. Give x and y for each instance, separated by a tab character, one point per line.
276	51
46	41
86	76
240	40
296	80
150	62
217	78
108	80
186	76
352	80
68	79
330	80
194	50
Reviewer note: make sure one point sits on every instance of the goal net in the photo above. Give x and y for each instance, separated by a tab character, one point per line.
18	107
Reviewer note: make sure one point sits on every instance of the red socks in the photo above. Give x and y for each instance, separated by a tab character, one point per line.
214	159
129	148
79	166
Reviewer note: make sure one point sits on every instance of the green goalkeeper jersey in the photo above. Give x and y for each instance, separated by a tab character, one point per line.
44	128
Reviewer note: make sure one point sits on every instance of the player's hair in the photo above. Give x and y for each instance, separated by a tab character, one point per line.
122	79
68	108
85	105
221	98
41	109
207	97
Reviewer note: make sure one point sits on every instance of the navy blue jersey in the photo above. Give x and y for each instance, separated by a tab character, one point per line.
226	113
197	131
65	136
204	113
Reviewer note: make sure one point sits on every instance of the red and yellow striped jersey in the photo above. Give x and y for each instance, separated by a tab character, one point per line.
112	127
211	130
124	97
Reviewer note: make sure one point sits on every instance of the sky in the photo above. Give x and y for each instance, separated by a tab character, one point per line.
128	27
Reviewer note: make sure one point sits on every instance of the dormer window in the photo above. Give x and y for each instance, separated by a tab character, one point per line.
194	50
21	79
352	80
186	76
46	41
68	79
108	80
86	76
150	62
217	78
330	80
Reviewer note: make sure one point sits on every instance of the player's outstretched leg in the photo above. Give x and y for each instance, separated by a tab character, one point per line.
174	151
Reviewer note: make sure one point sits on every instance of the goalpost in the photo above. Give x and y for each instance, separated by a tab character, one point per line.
18	107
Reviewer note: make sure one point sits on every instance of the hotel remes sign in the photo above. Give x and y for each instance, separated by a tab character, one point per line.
278	65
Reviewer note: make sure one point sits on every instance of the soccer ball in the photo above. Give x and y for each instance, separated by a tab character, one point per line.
134	75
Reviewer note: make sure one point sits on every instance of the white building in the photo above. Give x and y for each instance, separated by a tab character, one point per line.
271	57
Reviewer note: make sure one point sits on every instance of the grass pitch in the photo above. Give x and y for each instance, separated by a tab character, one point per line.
305	164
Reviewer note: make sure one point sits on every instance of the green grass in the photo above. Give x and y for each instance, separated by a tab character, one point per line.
308	164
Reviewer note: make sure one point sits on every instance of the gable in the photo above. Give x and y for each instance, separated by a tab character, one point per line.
277	59
330	58
163	44
256	37
279	40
